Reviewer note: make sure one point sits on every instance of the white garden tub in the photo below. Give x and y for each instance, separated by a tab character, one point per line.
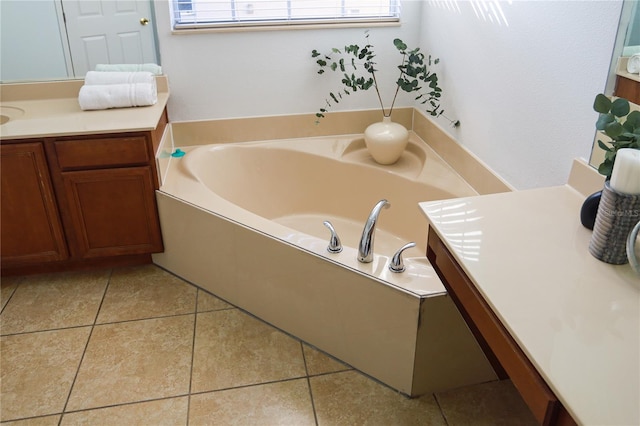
245	222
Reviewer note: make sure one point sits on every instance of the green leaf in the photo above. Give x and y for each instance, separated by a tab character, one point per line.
399	44
321	62
602	104
606	168
603	146
633	120
342	64
334	66
613	130
620	107
314	53
604	120
334	97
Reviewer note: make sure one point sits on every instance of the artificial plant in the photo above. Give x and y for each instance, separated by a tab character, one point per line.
358	70
618	122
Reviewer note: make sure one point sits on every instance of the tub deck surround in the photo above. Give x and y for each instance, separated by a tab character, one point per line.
244	221
51	109
293	184
576	319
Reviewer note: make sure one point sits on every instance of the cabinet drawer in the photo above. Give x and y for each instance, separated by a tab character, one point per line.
102	153
541	400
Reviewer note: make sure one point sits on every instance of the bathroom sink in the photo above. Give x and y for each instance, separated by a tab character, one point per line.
8	113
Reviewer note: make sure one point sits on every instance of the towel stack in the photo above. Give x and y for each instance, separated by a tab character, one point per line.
117	89
152	68
633	65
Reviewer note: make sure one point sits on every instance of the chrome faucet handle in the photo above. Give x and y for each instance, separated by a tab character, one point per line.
396	264
365	247
334	242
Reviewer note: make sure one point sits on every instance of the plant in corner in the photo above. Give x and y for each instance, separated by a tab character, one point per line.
386	140
359	73
623	134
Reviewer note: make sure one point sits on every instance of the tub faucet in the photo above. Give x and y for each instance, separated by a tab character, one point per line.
365	249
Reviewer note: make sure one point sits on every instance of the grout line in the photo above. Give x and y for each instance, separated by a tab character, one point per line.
143	319
306	369
435	397
84	351
122	404
250	385
193	354
46	330
18	283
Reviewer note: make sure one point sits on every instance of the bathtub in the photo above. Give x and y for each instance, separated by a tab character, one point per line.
245	222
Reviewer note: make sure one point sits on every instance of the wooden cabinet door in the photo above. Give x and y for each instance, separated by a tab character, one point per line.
113	211
31	231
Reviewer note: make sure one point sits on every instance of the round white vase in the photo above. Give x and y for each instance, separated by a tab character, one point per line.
386	140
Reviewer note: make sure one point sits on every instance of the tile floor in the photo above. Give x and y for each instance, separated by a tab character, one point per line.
139	346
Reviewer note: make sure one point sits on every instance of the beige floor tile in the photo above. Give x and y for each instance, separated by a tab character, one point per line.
208	302
135	361
36	421
234	349
50	301
7	287
169	412
145	292
38	370
492	404
320	363
349	398
281	403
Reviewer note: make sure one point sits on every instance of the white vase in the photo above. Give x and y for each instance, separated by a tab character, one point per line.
386	140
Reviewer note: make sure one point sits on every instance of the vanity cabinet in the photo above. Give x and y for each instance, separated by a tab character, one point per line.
95	199
31	227
107	193
501	349
628	89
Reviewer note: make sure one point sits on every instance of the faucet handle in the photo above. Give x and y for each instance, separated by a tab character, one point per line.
396	264
334	242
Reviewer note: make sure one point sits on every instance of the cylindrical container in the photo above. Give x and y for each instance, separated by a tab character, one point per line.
617	215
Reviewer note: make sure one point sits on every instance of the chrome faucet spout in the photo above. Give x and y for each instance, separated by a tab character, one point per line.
365	248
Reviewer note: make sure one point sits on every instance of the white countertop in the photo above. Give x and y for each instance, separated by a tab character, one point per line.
575	317
52	109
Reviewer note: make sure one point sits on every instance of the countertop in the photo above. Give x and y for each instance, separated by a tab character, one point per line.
621	69
575	317
51	109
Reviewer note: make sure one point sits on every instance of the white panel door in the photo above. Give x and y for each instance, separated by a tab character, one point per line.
109	32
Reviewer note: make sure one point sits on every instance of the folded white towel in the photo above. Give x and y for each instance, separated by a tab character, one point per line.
633	65
152	68
97	77
106	96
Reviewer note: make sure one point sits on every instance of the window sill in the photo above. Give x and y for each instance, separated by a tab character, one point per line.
203	29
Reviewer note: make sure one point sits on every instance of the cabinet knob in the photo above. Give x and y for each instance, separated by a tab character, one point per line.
144	21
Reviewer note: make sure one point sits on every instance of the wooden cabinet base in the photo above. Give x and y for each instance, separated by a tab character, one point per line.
78	265
79	201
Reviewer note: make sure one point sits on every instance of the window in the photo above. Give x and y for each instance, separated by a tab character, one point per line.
241	13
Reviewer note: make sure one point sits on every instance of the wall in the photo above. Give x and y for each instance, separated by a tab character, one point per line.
522	91
30	55
256	73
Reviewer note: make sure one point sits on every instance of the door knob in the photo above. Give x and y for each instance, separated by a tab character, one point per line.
144	21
